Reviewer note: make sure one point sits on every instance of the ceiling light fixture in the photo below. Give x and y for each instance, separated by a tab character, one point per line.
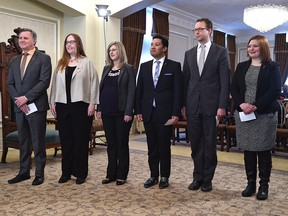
102	11
265	17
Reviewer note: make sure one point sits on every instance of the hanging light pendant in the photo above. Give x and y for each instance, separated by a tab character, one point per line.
265	17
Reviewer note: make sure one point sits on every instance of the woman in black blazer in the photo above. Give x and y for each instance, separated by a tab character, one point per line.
256	85
117	95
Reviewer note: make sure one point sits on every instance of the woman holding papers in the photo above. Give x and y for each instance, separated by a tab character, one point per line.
256	85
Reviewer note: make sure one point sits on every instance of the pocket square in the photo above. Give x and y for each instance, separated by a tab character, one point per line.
168	74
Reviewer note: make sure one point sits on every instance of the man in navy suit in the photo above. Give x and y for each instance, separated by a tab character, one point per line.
28	79
206	95
158	99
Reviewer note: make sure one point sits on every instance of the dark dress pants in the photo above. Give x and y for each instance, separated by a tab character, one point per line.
117	134
31	130
159	142
75	129
203	137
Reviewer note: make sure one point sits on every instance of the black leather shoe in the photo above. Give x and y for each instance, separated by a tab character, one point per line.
206	186
195	185
150	182
80	180
262	193
38	180
107	181
164	182
64	179
18	178
249	190
120	182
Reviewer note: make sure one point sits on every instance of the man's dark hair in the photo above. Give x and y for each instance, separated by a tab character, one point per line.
34	35
208	22
163	40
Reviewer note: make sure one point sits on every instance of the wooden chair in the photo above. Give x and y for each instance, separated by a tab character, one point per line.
221	135
177	128
9	130
97	133
282	130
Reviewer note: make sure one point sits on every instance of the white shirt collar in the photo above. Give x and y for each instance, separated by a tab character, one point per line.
208	45
161	60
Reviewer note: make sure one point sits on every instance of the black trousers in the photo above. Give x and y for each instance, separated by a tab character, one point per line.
74	129
117	135
203	137
159	142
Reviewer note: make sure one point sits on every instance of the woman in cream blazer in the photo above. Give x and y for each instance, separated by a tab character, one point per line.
74	94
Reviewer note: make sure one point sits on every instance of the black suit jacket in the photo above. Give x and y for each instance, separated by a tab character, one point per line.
126	88
35	82
268	86
211	89
168	92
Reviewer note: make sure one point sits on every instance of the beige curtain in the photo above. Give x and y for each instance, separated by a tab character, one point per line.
134	29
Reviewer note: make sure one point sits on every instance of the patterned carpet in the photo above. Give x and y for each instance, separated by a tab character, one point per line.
93	198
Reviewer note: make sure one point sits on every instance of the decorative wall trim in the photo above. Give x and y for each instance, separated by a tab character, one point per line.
178	44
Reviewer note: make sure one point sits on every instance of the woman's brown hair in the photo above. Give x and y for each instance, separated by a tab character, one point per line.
264	47
64	61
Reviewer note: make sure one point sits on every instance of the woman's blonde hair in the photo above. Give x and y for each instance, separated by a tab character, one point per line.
122	54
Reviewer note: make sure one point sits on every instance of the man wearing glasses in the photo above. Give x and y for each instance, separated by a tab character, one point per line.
207	78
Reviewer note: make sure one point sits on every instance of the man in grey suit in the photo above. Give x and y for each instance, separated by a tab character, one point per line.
28	79
207	78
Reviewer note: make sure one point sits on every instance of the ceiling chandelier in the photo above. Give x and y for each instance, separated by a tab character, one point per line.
265	17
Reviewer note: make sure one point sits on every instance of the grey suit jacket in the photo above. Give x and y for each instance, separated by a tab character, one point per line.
35	81
209	91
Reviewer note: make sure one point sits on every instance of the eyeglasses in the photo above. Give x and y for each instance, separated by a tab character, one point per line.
70	42
199	29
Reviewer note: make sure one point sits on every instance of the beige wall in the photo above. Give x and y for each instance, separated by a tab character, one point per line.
53	25
88	25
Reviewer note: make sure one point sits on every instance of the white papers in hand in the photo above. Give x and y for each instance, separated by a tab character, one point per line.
32	108
169	122
248	117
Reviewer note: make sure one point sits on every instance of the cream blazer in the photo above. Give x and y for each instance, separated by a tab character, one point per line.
84	84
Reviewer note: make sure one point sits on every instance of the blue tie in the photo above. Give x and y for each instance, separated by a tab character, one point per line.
156	74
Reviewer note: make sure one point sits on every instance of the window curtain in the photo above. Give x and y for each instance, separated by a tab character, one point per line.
160	23
281	55
219	38
231	43
134	29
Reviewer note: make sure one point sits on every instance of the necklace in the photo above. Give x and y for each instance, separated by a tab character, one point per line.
71	60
